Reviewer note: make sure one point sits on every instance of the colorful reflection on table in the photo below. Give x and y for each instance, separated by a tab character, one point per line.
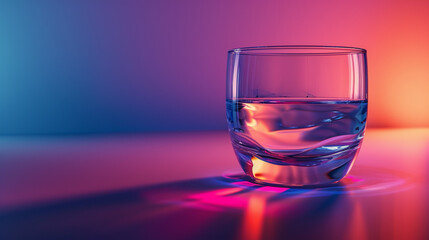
370	202
385	196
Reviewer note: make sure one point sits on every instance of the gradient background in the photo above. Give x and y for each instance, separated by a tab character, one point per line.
70	67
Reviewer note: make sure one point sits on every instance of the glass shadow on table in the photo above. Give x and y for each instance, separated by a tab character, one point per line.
224	207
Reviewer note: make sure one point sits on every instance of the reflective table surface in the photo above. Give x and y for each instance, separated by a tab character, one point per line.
190	186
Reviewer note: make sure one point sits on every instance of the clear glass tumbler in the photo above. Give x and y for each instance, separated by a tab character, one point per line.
296	114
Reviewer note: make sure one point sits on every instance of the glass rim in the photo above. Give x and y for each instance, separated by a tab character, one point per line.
297	50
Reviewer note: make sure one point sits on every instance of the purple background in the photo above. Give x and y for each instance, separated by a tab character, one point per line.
131	66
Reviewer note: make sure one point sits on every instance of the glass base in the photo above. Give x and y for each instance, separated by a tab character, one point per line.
324	174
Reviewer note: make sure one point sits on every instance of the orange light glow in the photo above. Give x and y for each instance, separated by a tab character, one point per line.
398	68
357	228
254	218
273	173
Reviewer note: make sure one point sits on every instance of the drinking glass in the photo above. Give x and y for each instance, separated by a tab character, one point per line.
296	114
